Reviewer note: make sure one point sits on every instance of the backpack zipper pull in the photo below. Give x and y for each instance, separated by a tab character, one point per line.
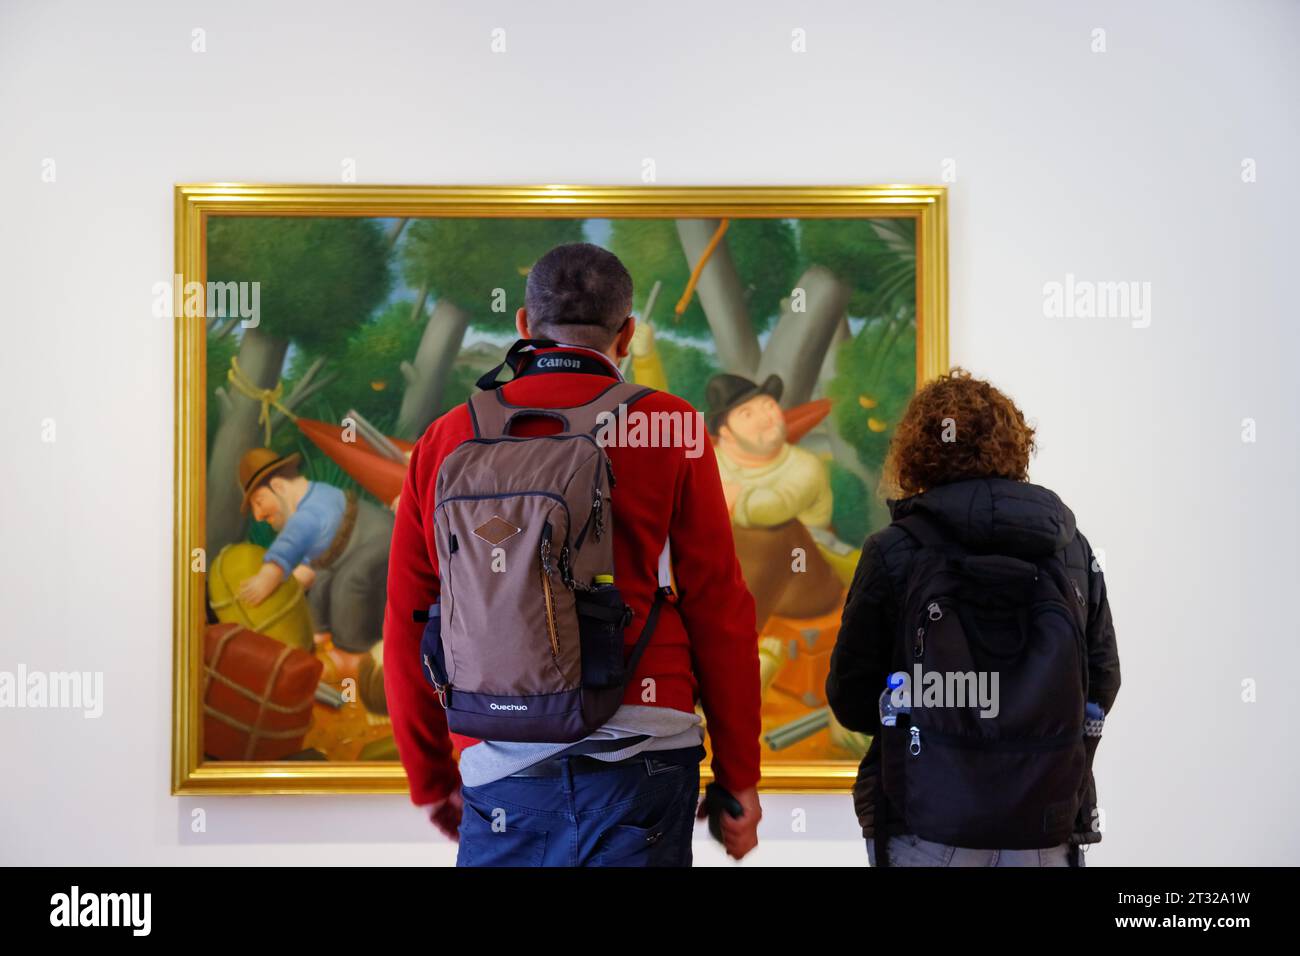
598	510
545	551
918	643
915	746
934	611
439	688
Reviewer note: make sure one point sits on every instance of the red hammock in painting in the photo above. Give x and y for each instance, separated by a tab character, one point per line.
373	470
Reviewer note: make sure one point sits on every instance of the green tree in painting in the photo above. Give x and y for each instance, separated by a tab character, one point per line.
318	279
365	374
876	257
875	368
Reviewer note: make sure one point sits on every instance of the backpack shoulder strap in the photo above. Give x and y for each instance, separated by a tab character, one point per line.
617	398
1077	598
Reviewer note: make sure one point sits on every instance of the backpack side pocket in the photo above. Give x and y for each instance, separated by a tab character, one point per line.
602	619
431	653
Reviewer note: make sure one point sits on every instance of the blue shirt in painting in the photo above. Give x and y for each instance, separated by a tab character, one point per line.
310	529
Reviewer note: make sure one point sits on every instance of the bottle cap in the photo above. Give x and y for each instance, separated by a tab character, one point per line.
604	579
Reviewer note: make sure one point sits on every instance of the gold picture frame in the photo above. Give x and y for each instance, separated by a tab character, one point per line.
195	203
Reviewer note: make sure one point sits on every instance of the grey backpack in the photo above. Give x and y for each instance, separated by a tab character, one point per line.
526	643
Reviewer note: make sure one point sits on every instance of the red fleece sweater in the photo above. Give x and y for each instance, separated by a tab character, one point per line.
705	646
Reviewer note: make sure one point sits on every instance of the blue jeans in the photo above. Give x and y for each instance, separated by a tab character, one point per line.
639	812
909	850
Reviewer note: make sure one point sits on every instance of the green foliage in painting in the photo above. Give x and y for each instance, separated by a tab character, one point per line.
466	261
876	257
876	369
688	369
875	376
850	508
318	278
368	375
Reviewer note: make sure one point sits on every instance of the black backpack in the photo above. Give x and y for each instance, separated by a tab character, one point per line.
1013	779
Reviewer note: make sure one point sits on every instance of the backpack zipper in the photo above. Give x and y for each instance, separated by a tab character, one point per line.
547	593
933	612
513	494
595	519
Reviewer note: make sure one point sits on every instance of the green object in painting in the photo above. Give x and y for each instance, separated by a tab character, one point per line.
384	749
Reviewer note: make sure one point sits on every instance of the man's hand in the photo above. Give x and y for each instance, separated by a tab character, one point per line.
258	588
740	834
445	814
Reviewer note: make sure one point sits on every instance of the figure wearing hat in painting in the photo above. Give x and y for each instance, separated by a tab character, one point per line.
334	544
779	496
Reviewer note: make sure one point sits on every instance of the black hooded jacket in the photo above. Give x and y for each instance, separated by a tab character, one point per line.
985	515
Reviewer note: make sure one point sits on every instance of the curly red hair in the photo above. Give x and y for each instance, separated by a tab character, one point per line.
954	428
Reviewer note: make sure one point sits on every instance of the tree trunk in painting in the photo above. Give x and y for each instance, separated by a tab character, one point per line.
722	297
426	377
797	349
261	357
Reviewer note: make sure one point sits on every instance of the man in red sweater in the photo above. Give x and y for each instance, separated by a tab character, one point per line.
627	794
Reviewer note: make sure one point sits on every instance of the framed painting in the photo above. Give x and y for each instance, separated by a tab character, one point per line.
320	329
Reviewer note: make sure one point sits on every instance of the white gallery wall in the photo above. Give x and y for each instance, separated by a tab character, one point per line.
1161	151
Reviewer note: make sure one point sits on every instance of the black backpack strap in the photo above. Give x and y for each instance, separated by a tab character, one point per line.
651	622
1058	565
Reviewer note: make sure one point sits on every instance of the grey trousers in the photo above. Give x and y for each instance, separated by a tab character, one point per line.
347	599
909	850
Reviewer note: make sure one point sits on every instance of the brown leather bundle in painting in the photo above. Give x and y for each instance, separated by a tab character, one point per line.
257	694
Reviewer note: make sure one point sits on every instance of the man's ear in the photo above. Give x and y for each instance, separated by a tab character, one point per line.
623	341
521	323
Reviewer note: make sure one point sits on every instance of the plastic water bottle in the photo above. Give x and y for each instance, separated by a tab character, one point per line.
889	711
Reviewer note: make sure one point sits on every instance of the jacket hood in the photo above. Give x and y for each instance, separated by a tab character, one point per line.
996	515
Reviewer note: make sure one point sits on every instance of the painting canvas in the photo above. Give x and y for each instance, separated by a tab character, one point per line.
322	329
